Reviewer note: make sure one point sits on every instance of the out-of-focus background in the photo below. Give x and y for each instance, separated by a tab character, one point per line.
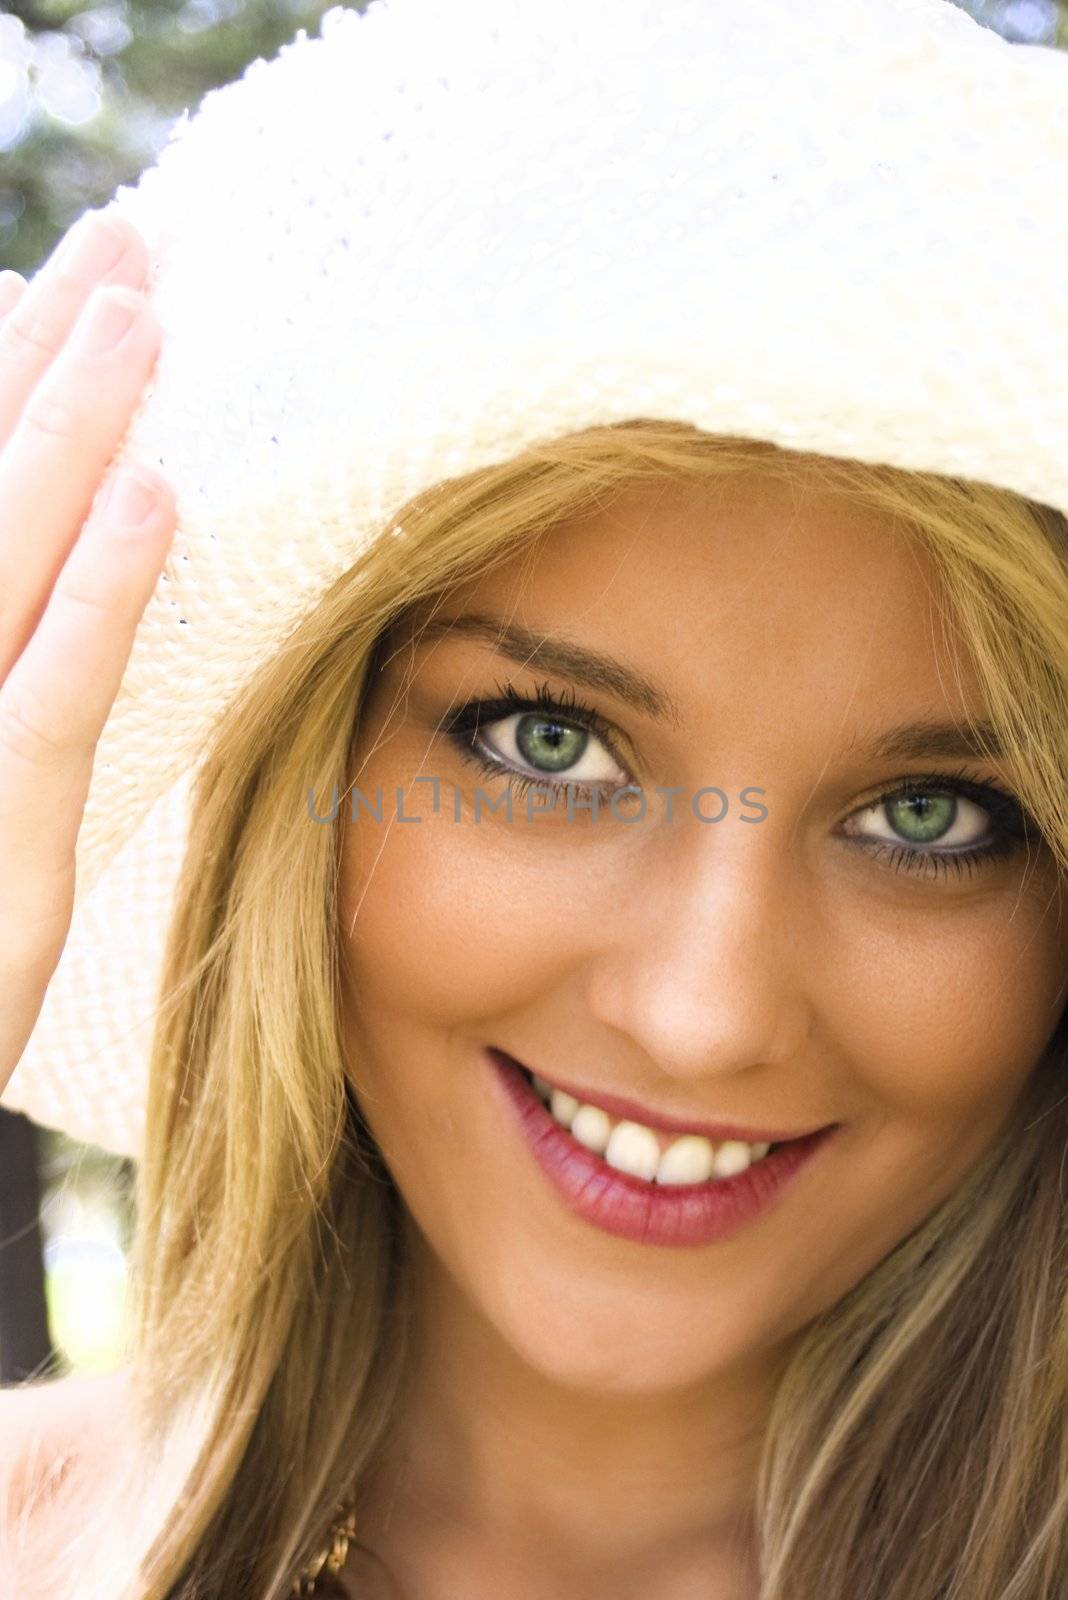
88	94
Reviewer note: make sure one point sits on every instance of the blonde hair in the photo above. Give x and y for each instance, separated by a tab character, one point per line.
918	1442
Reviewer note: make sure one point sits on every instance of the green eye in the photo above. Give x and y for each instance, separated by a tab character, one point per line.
525	737
922	818
548	744
922	810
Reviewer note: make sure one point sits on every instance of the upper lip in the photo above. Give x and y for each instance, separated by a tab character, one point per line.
619	1108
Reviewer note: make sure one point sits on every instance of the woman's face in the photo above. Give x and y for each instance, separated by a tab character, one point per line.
783	974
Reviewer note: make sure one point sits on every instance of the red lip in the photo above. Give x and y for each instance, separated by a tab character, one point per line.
619	1109
630	1208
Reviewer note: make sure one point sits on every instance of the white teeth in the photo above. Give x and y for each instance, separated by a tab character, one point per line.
592	1127
633	1148
689	1160
731	1158
563	1106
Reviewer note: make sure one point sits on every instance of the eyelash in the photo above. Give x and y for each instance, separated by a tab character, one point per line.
1012	824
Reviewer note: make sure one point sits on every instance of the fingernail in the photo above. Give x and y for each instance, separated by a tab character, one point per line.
11	286
106	318
90	248
129	500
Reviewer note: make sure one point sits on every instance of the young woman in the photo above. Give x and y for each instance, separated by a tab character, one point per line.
605	1118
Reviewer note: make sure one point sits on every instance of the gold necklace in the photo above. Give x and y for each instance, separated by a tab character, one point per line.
332	1557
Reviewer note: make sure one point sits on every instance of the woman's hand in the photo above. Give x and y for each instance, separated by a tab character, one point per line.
72	590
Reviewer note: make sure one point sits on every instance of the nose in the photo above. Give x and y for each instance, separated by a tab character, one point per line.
705	968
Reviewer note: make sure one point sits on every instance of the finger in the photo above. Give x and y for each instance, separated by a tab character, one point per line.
95	250
57	455
11	286
57	697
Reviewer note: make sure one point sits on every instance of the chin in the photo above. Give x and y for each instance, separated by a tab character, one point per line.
597	1337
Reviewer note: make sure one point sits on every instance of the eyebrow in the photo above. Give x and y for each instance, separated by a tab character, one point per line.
978	740
580	665
563	657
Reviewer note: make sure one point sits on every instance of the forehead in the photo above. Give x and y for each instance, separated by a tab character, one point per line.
736	526
758	599
738	561
756	529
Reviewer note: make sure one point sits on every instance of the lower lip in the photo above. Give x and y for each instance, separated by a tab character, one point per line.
631	1208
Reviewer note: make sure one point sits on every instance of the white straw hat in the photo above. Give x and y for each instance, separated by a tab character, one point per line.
446	229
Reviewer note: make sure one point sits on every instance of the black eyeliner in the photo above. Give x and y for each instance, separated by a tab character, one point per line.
1011	823
566	705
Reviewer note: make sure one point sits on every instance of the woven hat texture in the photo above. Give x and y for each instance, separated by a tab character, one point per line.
442	230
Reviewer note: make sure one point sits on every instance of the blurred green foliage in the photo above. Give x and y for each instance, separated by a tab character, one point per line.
89	93
1022	21
87	1220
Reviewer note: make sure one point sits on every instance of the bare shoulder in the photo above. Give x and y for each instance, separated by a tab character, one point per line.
45	1426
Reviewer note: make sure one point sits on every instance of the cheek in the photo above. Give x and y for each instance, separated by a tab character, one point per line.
931	1028
945	1017
448	923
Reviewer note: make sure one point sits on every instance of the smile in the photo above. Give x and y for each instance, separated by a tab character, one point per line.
640	1182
